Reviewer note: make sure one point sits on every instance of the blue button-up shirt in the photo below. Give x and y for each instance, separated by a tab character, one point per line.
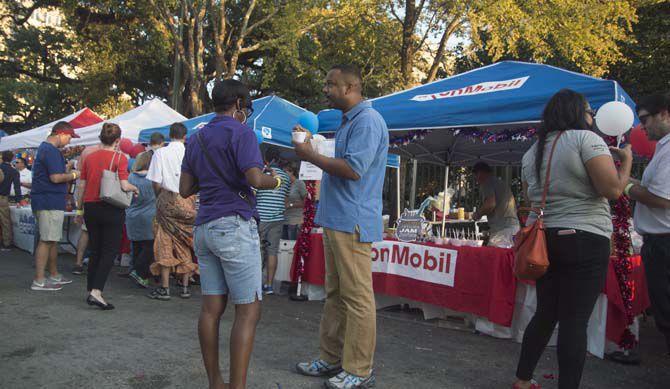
345	205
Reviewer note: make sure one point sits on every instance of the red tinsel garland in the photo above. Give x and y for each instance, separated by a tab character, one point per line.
623	267
309	211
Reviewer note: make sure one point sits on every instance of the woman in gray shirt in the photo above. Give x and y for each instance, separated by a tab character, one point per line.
579	226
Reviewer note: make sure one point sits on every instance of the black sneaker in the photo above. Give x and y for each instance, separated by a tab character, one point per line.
160	293
78	270
185	292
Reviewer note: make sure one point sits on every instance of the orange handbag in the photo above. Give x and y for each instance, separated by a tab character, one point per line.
531	258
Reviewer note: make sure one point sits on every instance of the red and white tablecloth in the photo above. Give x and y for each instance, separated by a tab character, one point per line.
477	281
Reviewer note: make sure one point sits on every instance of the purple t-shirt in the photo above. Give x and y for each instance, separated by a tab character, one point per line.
234	149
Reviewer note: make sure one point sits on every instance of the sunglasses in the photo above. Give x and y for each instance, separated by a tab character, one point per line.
591	112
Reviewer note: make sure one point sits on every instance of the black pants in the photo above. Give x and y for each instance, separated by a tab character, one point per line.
566	295
656	258
143	256
105	228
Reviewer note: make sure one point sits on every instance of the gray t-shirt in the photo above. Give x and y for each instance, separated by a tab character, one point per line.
573	201
297	193
504	215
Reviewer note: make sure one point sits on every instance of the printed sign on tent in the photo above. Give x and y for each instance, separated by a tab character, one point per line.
477	89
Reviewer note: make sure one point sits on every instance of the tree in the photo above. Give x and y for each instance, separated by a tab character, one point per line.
586	32
644	69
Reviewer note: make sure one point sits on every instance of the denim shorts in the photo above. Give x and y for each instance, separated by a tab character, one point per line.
229	256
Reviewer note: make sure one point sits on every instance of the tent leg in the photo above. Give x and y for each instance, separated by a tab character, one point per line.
412	192
397	188
444	201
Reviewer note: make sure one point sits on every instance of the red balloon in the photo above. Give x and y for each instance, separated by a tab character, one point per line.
135	150
126	145
641	144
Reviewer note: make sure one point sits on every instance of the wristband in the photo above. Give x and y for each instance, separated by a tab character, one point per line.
278	182
628	188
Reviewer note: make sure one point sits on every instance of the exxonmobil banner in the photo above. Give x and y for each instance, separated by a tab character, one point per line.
471	90
422	263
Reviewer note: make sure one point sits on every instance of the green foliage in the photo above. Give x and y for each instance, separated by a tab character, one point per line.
646	66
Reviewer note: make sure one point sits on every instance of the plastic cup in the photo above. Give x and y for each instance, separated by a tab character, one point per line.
299	136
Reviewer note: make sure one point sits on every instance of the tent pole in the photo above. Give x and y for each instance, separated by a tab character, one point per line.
412	192
444	200
397	188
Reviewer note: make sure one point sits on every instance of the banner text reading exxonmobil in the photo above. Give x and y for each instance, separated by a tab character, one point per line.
422	263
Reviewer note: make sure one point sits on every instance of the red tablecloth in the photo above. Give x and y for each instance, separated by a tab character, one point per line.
483	282
616	317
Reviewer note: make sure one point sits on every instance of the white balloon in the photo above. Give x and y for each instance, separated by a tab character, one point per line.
615	118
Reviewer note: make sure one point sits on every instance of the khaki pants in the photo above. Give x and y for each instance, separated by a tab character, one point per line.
5	222
348	327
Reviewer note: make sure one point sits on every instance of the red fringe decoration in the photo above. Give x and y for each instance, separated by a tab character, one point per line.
303	246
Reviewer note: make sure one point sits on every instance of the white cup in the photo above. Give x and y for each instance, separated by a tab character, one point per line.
299	136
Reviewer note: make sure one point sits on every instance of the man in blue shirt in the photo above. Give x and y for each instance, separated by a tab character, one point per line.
11	178
50	181
350	211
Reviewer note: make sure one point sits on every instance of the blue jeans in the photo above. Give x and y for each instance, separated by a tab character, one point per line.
229	256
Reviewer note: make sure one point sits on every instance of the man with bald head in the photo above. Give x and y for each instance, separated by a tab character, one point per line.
350	211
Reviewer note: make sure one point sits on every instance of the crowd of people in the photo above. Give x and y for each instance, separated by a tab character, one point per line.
212	207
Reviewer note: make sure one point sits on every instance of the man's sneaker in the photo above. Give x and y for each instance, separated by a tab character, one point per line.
141	282
267	289
160	293
78	270
318	368
185	292
345	380
60	280
45	285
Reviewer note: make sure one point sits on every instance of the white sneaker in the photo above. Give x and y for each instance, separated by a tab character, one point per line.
318	368
45	285
345	380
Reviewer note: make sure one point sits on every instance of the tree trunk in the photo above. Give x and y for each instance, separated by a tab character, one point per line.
439	55
407	48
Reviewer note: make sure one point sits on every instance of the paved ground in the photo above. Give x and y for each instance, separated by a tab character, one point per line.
54	340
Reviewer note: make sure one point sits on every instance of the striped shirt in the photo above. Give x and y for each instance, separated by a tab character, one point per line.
271	203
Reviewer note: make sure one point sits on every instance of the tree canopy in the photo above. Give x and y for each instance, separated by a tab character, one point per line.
173	49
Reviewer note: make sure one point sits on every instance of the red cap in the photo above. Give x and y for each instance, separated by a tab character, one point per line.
66	131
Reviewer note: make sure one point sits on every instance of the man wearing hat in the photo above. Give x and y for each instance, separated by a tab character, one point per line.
50	181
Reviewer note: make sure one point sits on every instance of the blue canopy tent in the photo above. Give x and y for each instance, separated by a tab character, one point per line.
495	98
272	121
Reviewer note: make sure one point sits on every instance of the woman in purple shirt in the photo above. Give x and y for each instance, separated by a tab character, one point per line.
222	163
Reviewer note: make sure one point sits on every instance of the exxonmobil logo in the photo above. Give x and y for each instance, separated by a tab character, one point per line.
477	89
423	263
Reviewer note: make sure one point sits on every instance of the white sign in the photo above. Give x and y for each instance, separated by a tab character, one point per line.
484	87
422	263
309	171
266	132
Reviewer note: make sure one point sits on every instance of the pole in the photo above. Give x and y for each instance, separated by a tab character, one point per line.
444	200
397	189
412	192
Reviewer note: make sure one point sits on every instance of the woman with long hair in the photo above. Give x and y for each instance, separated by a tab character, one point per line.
222	163
578	222
103	220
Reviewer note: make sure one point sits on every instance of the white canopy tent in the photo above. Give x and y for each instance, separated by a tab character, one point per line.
153	113
32	138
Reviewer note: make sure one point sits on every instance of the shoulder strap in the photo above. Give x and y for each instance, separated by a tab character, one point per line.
241	192
546	179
